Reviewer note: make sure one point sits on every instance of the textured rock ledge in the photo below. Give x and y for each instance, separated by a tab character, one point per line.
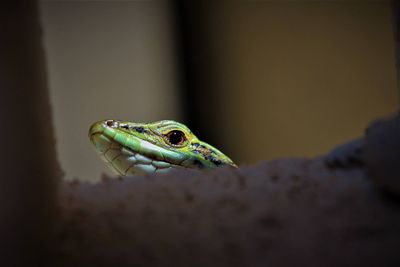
289	212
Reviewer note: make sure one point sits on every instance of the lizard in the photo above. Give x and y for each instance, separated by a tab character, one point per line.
138	148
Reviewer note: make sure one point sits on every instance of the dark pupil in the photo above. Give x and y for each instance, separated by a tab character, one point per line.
176	137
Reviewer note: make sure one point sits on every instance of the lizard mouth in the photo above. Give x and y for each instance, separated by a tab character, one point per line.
128	154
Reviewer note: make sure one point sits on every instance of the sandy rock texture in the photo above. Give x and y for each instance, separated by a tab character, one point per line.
289	212
382	154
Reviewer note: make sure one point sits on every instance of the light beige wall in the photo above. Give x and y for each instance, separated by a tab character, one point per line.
300	77
106	60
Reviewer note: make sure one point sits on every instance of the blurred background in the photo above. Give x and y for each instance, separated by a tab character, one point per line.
257	79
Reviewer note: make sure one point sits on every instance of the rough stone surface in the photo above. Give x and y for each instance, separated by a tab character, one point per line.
289	212
382	154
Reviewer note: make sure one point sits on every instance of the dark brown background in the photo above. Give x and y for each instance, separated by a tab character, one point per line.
257	79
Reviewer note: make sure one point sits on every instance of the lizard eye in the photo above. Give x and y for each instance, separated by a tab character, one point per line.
176	137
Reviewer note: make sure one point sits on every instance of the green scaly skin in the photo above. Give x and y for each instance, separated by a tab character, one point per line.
137	148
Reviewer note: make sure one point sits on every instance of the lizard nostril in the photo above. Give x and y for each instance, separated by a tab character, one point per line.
112	123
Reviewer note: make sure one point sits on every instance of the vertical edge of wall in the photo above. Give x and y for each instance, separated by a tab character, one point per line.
396	34
196	68
28	163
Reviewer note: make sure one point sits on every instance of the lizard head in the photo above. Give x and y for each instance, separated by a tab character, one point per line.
131	148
